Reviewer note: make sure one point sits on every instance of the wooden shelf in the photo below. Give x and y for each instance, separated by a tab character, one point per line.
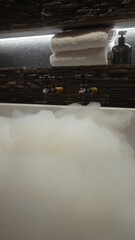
116	85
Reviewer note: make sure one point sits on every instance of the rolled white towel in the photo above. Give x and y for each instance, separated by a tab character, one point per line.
88	57
80	40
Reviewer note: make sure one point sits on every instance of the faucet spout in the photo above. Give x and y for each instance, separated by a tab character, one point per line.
57	90
85	92
82	92
93	90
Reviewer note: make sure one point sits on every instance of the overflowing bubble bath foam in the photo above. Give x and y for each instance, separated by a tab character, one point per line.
67	175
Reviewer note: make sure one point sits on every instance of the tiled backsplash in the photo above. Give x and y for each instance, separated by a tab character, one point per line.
115	84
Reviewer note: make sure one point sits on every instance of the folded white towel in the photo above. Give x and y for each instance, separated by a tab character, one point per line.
80	40
97	56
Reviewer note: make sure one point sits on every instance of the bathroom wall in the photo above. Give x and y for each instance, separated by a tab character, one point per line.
116	85
30	14
25	51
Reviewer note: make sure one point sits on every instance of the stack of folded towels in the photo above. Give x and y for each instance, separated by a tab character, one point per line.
80	47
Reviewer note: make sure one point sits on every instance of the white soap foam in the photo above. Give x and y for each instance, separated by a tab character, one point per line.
66	176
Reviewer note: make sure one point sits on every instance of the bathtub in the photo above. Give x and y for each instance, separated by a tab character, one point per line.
15	229
7	109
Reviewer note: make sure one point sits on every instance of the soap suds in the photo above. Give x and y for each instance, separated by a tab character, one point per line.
67	175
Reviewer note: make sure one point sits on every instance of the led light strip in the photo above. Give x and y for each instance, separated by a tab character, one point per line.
26	38
124	29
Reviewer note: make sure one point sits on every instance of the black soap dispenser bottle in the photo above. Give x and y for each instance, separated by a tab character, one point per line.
122	52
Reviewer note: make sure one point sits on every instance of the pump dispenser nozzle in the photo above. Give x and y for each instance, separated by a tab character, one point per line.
122	39
122	33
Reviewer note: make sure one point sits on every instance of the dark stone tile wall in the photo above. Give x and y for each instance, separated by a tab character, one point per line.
116	85
28	14
19	14
88	11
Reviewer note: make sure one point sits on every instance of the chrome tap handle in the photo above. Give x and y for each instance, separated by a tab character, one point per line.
78	76
45	77
88	75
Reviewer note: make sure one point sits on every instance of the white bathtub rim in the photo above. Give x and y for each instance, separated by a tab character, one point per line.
56	107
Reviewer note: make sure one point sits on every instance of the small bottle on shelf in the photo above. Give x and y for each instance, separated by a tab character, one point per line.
121	52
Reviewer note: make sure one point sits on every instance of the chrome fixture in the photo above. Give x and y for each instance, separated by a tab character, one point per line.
85	90
83	77
53	90
47	78
50	90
